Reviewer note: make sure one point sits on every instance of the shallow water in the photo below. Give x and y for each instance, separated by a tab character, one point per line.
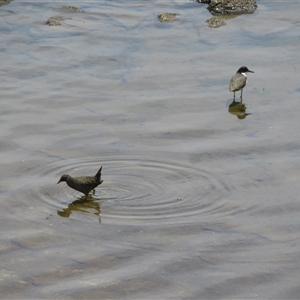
196	203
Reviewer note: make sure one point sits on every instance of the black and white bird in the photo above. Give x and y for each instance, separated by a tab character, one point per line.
238	80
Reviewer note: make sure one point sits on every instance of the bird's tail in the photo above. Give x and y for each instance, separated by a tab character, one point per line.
98	175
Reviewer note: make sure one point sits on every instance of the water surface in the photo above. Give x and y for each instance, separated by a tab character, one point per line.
196	203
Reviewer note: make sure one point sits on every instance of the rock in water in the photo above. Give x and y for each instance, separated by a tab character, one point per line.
83	184
225	7
167	17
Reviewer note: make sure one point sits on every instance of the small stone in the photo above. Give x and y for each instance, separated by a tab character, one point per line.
5	2
215	22
54	21
167	17
72	8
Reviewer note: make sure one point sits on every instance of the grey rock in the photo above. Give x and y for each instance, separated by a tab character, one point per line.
215	22
167	17
223	7
54	21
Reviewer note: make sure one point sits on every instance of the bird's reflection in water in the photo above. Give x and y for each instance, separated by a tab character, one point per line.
87	205
238	109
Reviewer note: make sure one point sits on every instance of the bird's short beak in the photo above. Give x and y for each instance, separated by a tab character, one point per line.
250	71
59	181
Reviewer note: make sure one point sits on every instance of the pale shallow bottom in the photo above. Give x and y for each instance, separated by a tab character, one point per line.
196	203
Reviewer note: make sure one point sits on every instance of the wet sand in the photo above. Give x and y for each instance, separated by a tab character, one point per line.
196	203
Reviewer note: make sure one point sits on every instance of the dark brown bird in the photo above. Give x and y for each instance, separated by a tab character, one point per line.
83	184
238	81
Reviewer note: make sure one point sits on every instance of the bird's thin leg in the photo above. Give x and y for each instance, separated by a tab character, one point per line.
241	95
233	96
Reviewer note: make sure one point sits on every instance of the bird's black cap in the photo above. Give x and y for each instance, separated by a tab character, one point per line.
244	70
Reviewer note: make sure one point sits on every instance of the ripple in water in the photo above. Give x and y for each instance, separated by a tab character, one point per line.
141	192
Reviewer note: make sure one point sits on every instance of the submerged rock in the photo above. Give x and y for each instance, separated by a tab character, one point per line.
54	21
72	8
215	22
167	17
225	7
5	2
